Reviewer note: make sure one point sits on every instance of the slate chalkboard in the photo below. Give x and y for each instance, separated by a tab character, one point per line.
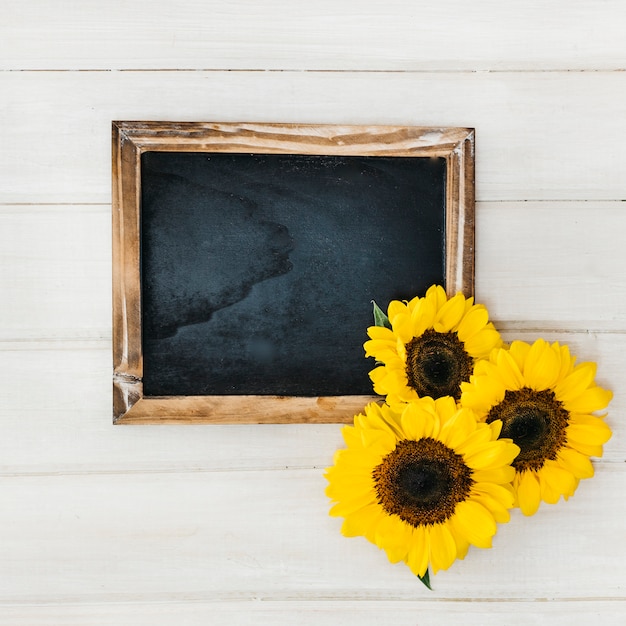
246	258
258	270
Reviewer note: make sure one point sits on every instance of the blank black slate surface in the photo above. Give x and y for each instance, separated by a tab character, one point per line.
258	271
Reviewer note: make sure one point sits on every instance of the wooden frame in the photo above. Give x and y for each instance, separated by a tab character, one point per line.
131	139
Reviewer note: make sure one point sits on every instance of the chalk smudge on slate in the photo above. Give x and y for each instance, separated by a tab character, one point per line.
196	267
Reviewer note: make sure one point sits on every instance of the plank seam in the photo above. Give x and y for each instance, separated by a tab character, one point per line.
555	70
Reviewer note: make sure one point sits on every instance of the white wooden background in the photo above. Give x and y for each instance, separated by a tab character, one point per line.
228	524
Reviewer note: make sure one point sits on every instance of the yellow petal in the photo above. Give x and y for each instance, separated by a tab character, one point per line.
496	428
446	407
381	333
392	532
393	420
348	506
528	493
417	558
585	448
503	494
482	393
423	316
548	493
473	322
567	362
580	379
350	436
591	431
475	522
499	475
481	344
396	553
442	547
402	327
508	371
565	496
462	544
458	428
559	479
575	462
542	365
381	418
391	381
518	351
397	364
499	512
343	489
360	522
449	315
590	400
371	418
356	459
382	351
478	437
491	455
483	367
396	308
349	477
418	423
378	373
437	295
379	442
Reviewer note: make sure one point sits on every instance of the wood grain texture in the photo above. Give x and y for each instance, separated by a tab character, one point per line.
196	610
131	139
530	125
543	263
227	524
62	424
399	35
130	406
266	536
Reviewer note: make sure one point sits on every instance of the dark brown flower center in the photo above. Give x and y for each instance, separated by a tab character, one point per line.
536	421
422	481
437	364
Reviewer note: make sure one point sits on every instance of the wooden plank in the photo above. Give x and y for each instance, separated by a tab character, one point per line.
193	611
533	143
266	536
275	34
62	423
537	133
549	264
554	261
55	269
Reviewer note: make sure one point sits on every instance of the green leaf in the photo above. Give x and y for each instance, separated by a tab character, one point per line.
426	579
380	318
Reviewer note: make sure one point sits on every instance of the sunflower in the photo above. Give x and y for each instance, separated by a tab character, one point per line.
545	403
422	481
430	346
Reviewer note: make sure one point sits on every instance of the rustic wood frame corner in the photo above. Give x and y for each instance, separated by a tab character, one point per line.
131	139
